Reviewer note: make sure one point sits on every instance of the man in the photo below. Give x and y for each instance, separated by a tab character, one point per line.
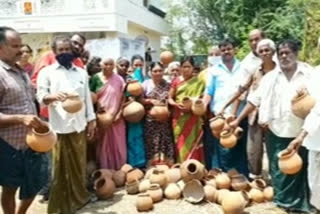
273	96
20	167
55	84
220	84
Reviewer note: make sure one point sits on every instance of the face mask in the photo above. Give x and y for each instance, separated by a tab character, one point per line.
65	59
212	60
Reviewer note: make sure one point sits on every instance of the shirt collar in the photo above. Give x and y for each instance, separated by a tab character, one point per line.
56	65
302	68
8	67
236	64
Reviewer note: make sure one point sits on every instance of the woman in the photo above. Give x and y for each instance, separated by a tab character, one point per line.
135	142
122	67
109	87
157	134
24	63
187	127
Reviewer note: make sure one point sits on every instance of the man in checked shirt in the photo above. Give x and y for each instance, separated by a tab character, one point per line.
20	167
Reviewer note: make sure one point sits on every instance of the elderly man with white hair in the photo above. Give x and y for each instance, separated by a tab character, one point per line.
266	49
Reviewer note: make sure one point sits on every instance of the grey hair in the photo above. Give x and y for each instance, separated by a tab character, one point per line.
268	42
172	65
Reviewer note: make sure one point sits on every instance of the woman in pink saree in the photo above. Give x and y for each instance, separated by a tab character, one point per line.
111	145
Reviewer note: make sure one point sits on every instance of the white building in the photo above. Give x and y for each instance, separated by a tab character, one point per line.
113	27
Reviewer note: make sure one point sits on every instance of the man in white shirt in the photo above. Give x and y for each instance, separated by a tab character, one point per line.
55	84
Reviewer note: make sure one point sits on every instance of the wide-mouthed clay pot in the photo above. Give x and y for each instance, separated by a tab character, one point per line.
198	107
302	104
133	112
134	88
289	162
72	104
166	57
172	191
155	192
42	139
229	138
192	169
158	177
104	187
193	191
144	202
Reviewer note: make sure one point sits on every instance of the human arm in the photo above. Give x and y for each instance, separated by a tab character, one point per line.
249	107
31	121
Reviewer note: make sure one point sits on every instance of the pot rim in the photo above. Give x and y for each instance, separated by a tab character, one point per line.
298	97
154	187
45	133
217	117
284	154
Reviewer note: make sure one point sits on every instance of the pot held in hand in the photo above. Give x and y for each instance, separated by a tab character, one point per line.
160	112
41	139
289	162
133	112
229	138
198	107
134	88
72	104
104	118
302	104
216	125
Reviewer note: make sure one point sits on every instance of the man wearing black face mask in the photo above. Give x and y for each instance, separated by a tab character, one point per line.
57	83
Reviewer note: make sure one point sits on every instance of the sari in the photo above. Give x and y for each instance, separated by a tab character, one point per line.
187	127
111	149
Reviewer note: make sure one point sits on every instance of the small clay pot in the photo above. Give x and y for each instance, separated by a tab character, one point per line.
173	175
149	172
132	187
216	125
187	103
223	181
166	57
155	192
198	107
289	163
239	182
258	184
256	195
193	191
160	112
232	172
210	181
229	138
162	167
126	168
192	169
104	187
105	119
158	177
211	193
135	88
233	203
134	174
72	104
42	139
172	191
268	193
177	165
144	202
144	185
119	178
222	193
302	104
133	112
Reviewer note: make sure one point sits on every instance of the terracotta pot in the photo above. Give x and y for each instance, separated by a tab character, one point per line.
210	181
213	172
166	57
119	178
101	173
177	165
222	193
216	125
158	177
289	163
187	103
191	169
132	187
42	139
211	193
144	185
133	112
144	203
162	167
193	191
134	174
72	104
302	103
239	182
149	172
172	191
232	172
105	119
234	203
160	112
155	192
223	181
229	138
134	88
94	97
256	195
173	175
126	168
268	193
198	108
104	187
258	184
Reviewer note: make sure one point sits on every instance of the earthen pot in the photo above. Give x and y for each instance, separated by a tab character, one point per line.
198	107
144	202
134	88
172	191
192	169
233	203
187	103
160	112
302	104
162	167
216	125
155	192
132	187
126	168
289	163
144	185
72	104
104	187
239	182
210	181
176	165
223	181
105	119
173	175
42	139
211	193
133	112
256	195
149	172
193	191
119	178
232	172
166	57
94	97
229	138
100	173
258	184
268	193
222	193
158	177
213	172
134	174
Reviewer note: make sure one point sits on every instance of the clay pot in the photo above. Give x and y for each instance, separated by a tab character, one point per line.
302	104
172	191
104	187
216	125
72	104
173	175
268	193
166	57
177	166
144	185
232	172
119	178
155	192
160	112
134	88
193	191
158	177
229	138
234	203
239	182
132	187
210	181
144	203
211	193
258	184
105	119
223	181
162	167
192	169
102	173
126	168
149	172
187	103
213	172
42	139
222	193
94	97
134	174
289	163
133	112
198	108
256	195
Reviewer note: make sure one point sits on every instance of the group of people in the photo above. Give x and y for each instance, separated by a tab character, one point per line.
254	94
